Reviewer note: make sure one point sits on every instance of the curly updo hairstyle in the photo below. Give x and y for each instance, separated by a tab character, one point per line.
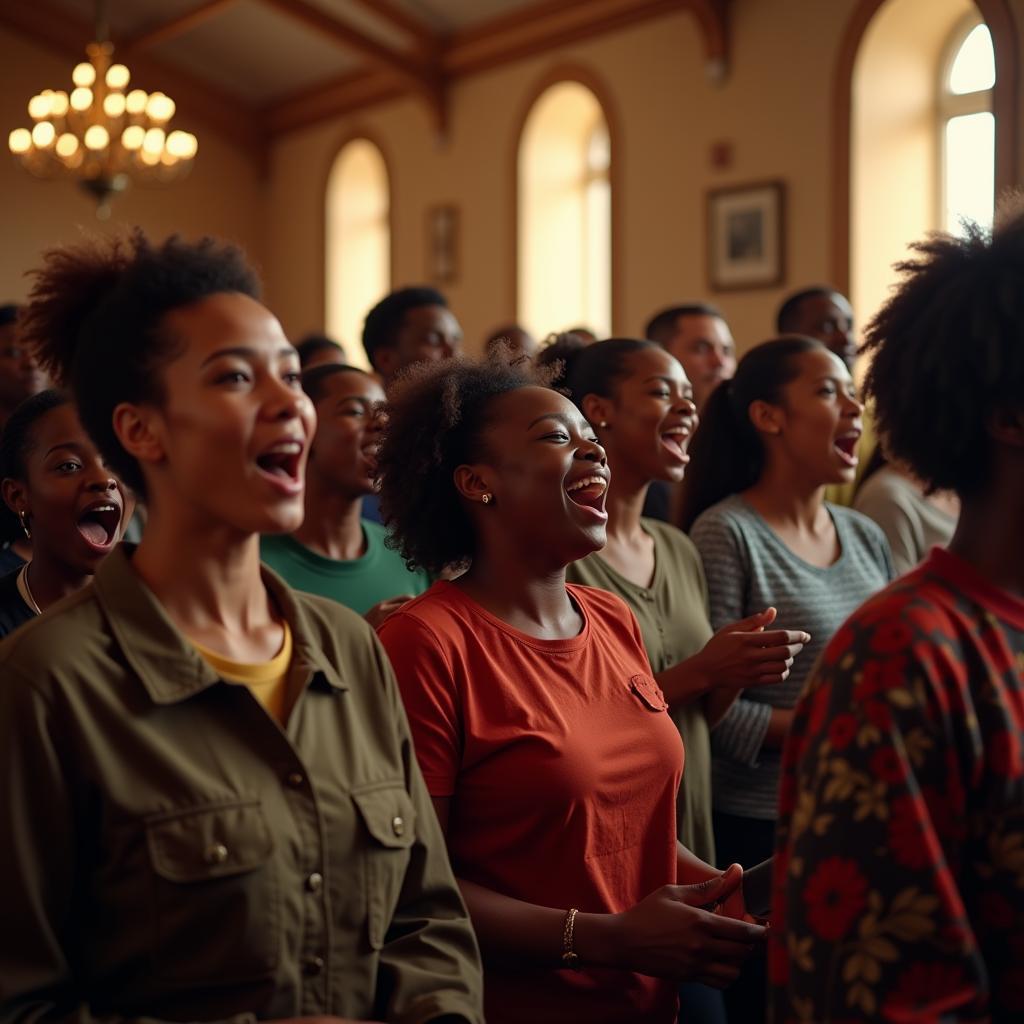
95	317
948	353
437	413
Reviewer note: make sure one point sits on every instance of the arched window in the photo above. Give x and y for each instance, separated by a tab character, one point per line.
358	258
565	203
967	128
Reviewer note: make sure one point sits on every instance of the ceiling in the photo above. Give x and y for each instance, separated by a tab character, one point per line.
258	68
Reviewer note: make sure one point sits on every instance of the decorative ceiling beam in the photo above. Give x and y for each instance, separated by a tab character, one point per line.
343	95
399	18
420	71
147	38
523	33
54	29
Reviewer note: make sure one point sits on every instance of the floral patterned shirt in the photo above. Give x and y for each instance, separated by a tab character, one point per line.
899	875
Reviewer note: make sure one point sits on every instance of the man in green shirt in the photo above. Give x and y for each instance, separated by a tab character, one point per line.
336	553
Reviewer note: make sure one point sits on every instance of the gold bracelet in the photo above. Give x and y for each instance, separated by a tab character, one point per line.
569	957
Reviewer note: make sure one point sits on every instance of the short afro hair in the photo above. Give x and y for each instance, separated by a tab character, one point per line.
95	318
662	325
308	346
948	353
17	440
788	317
437	413
314	380
384	321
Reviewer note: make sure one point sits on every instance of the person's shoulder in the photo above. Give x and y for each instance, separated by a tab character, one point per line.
600	605
59	643
441	610
725	523
861	526
730	511
327	614
669	537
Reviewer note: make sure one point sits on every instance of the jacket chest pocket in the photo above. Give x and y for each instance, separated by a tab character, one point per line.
217	897
390	821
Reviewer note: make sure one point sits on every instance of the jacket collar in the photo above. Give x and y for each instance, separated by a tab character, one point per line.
168	666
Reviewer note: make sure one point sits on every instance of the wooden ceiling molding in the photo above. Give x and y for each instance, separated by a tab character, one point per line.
53	28
529	31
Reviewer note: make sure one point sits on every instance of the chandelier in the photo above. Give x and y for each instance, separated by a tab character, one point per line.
103	134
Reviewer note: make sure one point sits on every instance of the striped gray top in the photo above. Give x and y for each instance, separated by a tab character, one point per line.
748	568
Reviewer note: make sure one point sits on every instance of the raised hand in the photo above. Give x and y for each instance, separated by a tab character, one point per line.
743	654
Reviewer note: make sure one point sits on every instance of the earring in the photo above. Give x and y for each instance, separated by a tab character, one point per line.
603	424
487	498
23	516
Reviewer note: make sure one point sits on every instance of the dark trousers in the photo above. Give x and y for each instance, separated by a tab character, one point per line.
700	1004
746	841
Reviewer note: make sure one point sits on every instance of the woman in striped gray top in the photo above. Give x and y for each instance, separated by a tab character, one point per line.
771	440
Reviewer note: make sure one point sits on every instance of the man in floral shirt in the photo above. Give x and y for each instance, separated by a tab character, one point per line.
899	876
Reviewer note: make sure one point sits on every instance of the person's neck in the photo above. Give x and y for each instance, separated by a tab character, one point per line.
50	579
204	575
988	533
625	505
533	599
785	497
332	526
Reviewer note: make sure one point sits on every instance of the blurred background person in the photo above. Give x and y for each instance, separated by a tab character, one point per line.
335	552
70	504
319	350
517	341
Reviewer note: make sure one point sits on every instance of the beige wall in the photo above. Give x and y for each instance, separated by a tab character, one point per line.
222	196
774	109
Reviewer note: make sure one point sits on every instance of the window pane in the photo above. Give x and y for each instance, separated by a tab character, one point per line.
970	169
974	67
358	242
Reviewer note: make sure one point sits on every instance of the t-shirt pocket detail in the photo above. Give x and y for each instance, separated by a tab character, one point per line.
648	692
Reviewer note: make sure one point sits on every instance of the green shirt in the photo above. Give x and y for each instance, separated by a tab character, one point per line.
171	853
358	584
673	617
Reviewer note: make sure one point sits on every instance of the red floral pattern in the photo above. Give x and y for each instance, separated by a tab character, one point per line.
900	858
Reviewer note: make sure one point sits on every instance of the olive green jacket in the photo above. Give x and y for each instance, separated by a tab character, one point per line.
169	852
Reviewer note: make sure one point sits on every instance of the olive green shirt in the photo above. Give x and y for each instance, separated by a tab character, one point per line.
673	617
169	852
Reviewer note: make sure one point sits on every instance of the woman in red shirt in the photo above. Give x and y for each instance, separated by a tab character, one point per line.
542	735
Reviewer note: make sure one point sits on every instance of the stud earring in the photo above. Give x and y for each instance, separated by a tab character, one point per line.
603	424
23	516
486	498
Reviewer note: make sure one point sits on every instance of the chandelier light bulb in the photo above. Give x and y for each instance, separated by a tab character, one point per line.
136	101
39	107
114	104
81	98
154	141
19	141
149	158
84	74
117	76
133	136
160	107
43	134
59	104
96	137
67	145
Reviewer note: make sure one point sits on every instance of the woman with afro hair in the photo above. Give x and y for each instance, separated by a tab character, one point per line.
542	734
209	804
899	877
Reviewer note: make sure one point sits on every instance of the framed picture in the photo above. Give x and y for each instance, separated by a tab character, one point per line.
746	228
443	244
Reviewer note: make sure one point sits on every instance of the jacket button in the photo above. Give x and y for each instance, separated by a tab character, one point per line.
295	779
398	825
215	853
315	882
313	965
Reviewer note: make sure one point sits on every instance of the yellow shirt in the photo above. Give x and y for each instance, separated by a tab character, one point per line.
267	680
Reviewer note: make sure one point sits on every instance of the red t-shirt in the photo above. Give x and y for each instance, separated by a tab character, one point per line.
899	874
562	765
